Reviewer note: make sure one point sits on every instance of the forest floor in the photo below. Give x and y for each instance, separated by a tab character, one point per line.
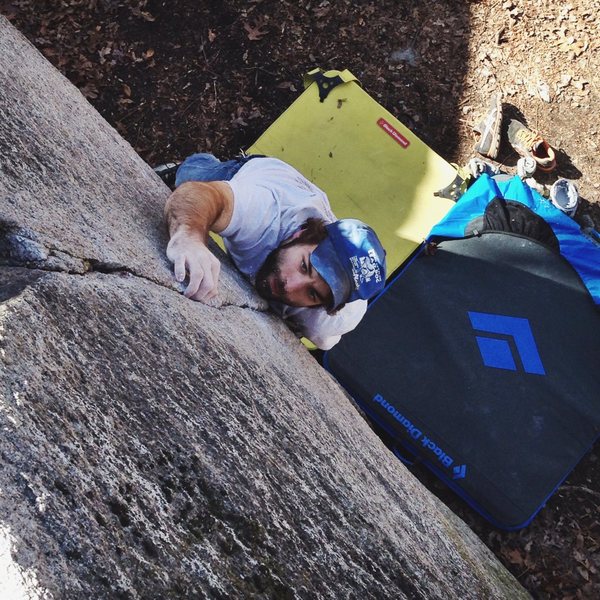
179	76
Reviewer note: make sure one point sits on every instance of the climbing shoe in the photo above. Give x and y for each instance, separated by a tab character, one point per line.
489	129
530	143
167	173
477	167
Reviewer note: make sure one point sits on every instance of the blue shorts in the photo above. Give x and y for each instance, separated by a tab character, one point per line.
206	167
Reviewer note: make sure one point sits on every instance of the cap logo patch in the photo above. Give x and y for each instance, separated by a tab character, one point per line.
365	268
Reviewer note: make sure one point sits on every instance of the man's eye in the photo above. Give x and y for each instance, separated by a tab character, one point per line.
304	269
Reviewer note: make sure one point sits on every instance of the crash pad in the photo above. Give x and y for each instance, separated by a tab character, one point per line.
371	166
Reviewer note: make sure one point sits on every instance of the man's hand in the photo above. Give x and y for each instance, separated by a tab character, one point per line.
191	211
190	255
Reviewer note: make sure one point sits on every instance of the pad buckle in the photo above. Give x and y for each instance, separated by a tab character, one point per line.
326	84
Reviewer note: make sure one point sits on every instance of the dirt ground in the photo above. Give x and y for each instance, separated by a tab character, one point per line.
185	75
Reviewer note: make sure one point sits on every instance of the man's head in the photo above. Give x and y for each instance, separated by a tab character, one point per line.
324	265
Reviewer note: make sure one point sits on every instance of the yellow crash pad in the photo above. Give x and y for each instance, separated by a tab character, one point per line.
370	166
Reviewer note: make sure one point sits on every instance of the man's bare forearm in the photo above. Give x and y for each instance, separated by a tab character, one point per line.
199	207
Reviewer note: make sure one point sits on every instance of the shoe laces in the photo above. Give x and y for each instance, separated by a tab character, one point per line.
528	138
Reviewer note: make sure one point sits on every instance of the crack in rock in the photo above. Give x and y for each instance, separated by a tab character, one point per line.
21	247
245	307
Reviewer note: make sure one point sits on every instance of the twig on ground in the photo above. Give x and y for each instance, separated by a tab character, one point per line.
579	488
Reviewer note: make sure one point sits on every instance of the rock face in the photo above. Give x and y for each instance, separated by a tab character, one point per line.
153	447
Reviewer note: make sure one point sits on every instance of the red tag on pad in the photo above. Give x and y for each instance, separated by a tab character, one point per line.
393	132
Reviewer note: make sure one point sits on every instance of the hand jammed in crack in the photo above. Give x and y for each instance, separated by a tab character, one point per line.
192	210
189	254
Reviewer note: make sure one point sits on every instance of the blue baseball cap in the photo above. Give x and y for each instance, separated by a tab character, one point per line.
351	260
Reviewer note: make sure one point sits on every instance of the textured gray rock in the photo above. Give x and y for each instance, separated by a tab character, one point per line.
74	196
153	447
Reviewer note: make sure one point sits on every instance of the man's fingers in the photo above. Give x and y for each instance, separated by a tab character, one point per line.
215	268
209	287
196	277
179	268
206	287
192	258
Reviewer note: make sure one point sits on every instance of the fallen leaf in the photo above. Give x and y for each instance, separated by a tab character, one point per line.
149	53
579	47
584	573
568	43
212	36
543	91
500	35
321	11
565	80
89	90
565	10
126	90
103	52
9	13
255	32
287	85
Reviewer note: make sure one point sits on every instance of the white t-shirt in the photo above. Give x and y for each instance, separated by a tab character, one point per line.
271	201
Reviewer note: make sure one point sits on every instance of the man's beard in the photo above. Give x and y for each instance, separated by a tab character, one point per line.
268	281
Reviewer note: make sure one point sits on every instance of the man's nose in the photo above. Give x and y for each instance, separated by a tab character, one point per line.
296	282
